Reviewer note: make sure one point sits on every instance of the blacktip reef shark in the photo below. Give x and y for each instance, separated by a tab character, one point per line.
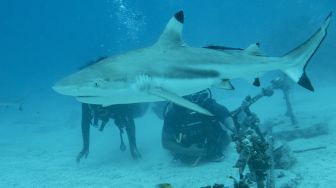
170	69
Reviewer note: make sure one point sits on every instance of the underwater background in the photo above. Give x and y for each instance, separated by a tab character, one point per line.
42	41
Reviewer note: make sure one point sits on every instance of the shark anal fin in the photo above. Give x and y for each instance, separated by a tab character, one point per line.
225	84
256	82
170	96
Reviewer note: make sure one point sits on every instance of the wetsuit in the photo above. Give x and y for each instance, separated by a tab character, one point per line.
123	116
186	128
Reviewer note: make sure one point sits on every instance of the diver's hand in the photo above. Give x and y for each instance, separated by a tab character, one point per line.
83	153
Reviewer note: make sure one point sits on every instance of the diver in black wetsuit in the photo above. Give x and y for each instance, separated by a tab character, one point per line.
193	137
123	116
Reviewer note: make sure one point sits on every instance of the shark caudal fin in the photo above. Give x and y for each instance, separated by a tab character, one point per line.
300	56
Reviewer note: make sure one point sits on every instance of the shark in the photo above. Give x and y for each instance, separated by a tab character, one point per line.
170	69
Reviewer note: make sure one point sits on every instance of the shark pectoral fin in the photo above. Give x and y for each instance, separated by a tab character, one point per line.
172	33
254	49
224	84
96	100
165	94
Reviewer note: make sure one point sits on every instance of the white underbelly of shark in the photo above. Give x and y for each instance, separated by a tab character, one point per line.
137	92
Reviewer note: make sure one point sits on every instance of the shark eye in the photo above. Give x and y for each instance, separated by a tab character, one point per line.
98	83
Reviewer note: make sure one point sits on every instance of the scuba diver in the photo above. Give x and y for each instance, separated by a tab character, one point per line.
192	137
123	115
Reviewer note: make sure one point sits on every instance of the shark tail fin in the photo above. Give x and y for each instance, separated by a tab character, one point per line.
300	56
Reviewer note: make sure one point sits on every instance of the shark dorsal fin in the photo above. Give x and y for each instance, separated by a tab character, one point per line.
254	49
172	32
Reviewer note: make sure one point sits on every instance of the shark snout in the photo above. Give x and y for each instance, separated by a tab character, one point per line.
66	89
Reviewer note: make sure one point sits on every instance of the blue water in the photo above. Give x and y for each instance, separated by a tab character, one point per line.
42	41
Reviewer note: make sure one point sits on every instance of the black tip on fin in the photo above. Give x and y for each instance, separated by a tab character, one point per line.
305	82
231	87
179	16
256	82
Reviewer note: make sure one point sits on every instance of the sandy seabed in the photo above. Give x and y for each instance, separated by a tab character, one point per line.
41	151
